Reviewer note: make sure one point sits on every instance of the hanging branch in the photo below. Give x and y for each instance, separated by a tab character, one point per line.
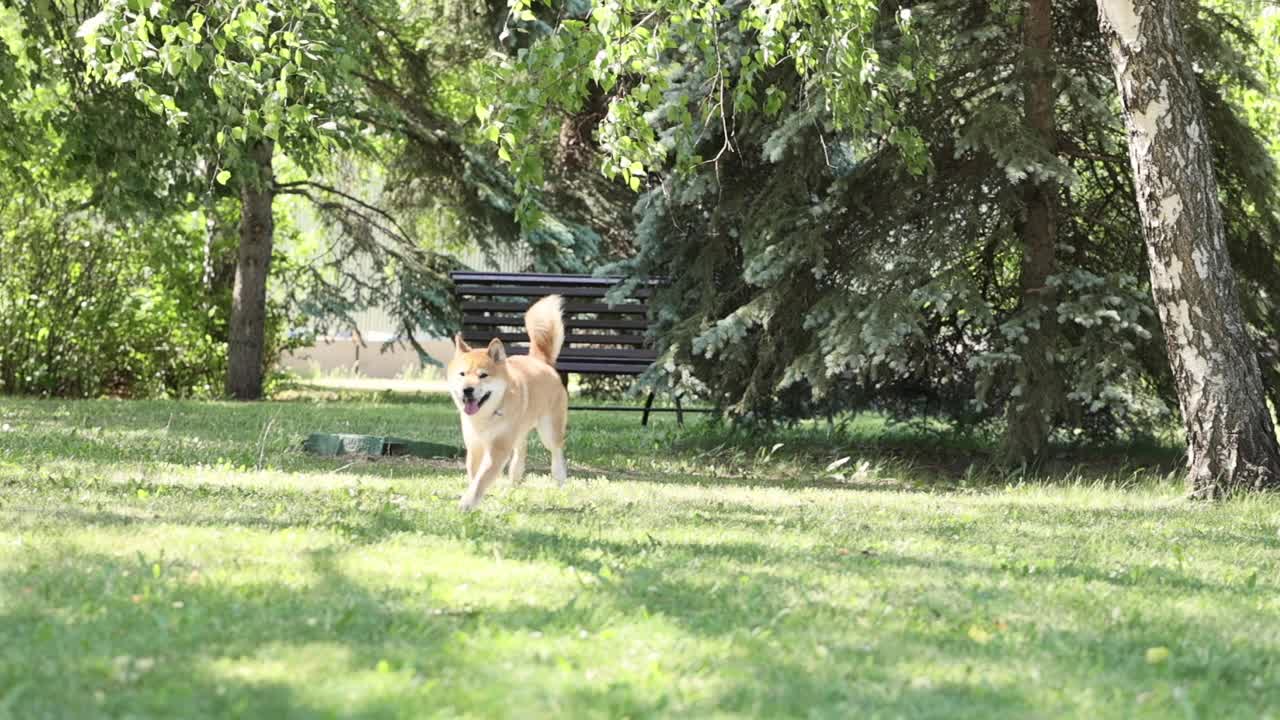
294	188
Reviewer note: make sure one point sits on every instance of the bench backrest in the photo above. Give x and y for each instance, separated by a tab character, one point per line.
600	339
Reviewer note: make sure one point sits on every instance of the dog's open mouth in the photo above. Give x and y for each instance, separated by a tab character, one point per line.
471	406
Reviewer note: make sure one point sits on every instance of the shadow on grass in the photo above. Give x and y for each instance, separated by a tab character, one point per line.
212	434
751	620
203	658
362	516
230	435
111	640
779	619
586	553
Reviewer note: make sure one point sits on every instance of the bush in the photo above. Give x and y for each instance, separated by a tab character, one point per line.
91	307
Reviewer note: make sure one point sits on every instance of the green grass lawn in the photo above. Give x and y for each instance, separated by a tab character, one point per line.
170	559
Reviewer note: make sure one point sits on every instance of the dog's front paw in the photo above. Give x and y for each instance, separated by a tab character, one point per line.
559	468
468	503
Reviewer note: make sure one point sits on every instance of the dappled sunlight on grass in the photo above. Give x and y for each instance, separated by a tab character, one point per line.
235	575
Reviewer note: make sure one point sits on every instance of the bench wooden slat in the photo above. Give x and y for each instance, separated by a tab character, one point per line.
625	355
540	290
642	356
480	278
602	339
600	368
469	321
570	308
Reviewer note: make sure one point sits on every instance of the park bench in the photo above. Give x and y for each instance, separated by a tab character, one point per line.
600	338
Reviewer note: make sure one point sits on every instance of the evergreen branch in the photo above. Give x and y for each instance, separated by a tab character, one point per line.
400	233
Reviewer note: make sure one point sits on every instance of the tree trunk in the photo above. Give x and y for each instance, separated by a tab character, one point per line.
1031	416
246	364
1231	440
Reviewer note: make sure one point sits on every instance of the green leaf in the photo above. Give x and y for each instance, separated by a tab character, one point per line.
90	27
222	177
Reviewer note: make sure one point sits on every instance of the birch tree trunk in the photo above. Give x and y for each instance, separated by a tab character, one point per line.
245	362
1231	441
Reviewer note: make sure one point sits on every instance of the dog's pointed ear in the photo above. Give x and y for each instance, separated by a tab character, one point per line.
459	344
497	351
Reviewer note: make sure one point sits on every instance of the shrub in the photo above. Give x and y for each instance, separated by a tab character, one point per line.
91	307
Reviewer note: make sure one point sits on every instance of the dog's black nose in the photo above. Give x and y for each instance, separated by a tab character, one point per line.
468	392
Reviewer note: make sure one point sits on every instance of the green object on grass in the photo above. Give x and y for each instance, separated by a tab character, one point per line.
376	445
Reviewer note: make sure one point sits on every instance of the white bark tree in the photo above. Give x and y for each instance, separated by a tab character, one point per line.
1231	441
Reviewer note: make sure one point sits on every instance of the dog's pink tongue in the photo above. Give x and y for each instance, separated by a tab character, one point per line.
470	407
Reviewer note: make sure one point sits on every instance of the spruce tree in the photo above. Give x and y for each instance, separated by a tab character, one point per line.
846	226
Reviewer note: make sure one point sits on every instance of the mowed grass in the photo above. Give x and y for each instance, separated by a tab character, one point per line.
170	559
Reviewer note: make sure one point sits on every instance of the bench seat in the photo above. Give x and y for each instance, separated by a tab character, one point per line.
600	338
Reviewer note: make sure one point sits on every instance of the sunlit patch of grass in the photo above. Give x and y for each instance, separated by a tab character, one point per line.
168	558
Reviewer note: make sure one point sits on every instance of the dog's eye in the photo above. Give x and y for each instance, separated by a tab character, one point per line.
484	375
462	374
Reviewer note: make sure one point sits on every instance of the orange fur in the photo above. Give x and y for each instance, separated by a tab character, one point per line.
501	399
545	324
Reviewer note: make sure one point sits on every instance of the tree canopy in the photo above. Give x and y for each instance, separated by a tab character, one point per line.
846	232
917	207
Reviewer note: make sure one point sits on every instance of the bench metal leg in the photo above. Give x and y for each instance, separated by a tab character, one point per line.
679	411
648	403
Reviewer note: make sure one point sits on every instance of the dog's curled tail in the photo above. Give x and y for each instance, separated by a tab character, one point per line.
545	324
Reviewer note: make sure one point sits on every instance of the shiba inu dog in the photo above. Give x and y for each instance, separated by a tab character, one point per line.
501	398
